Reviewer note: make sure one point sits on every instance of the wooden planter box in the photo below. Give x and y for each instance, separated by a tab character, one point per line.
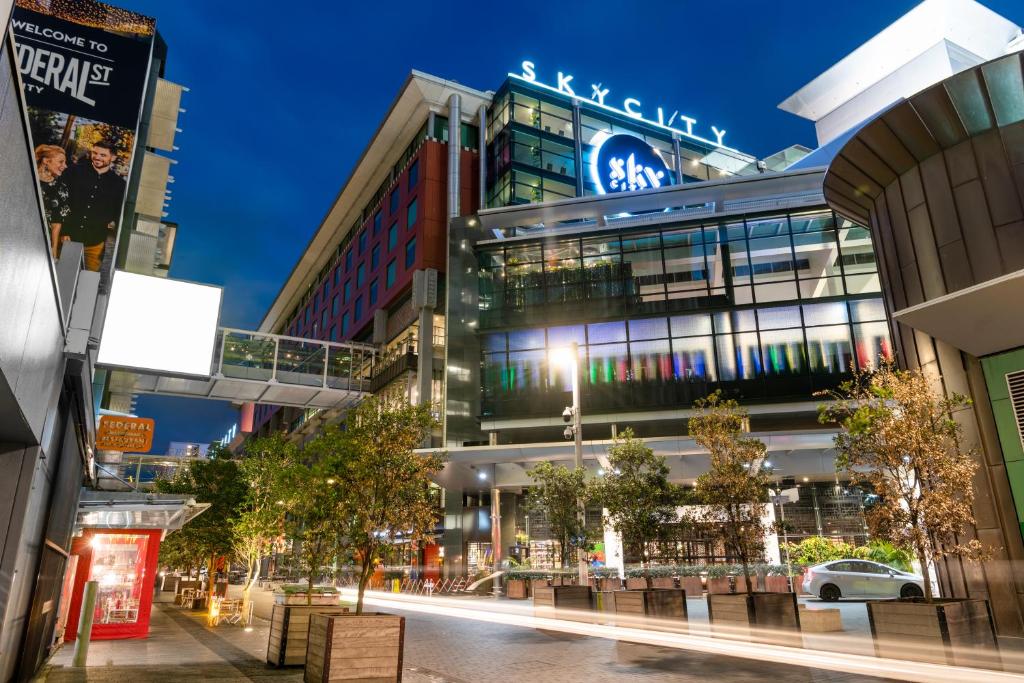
289	631
776	584
326	599
534	583
663	582
773	617
665	603
953	632
634	583
548	599
350	647
692	585
820	620
517	589
719	585
609	584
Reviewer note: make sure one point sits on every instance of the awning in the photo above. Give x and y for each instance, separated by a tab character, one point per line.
135	510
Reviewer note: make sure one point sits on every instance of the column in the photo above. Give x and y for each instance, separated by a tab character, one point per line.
454	153
577	136
481	116
614	556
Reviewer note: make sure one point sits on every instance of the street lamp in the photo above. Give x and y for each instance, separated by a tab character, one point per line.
568	356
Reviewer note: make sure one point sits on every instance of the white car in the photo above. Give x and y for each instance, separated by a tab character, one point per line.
831	581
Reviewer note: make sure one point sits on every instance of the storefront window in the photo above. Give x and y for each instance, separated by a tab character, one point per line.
118	566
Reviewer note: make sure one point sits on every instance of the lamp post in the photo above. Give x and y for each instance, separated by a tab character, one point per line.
570	356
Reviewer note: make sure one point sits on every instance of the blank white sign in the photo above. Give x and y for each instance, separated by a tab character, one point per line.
160	325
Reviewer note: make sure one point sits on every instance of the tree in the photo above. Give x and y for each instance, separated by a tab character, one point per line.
383	484
640	501
557	495
314	515
901	436
264	468
733	492
216	480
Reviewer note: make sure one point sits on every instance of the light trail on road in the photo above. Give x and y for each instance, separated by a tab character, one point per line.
728	646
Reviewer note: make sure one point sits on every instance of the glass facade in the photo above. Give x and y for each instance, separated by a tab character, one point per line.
768	307
531	150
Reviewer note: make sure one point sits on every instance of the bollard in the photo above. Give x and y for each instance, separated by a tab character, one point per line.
85	624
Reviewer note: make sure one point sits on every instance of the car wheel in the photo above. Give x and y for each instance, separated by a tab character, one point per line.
911	590
829	593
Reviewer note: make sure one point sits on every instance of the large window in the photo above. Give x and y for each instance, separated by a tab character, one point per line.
414	174
763	260
360	275
393	203
389	277
754	353
374	257
362	242
393	236
410	253
357	311
378	222
373	292
410	219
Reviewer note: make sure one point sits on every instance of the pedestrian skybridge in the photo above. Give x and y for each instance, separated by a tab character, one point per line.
269	368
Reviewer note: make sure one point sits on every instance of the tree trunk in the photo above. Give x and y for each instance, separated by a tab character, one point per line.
364	577
922	557
309	588
252	575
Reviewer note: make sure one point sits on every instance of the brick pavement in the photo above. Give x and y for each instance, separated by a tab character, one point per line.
438	650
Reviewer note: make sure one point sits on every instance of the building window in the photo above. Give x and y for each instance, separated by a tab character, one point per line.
307	314
375	257
393	207
362	242
334	306
348	261
334	333
360	276
316	300
414	174
410	252
411	217
344	325
378	222
373	292
323	320
346	293
337	276
389	278
357	313
393	237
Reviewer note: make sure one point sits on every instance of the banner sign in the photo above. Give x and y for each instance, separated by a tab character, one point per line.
84	66
126	434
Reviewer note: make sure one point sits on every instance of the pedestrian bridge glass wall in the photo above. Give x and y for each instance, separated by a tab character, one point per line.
772	308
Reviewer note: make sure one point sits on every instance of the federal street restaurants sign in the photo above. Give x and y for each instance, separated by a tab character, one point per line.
125	434
625	163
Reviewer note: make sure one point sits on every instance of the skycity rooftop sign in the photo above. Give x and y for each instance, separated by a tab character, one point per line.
632	107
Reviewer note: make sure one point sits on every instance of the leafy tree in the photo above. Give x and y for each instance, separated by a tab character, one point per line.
817	549
557	495
901	436
216	480
383	484
264	469
640	501
734	490
314	516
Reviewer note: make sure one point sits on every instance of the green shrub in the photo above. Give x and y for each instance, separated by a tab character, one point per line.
654	571
293	588
690	569
776	570
606	573
519	573
718	571
817	549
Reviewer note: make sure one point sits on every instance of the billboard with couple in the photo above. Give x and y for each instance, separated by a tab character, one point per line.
84	66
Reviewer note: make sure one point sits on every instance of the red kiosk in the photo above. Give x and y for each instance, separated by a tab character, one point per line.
118	549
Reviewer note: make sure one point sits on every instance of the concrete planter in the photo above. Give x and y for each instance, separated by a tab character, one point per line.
953	632
776	584
768	617
517	589
665	603
549	600
719	585
350	647
692	585
289	631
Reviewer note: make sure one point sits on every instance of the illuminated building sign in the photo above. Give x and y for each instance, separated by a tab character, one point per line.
624	163
632	107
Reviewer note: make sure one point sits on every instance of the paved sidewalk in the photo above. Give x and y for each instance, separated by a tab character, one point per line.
438	650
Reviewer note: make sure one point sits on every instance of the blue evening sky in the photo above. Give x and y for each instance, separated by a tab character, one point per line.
283	99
